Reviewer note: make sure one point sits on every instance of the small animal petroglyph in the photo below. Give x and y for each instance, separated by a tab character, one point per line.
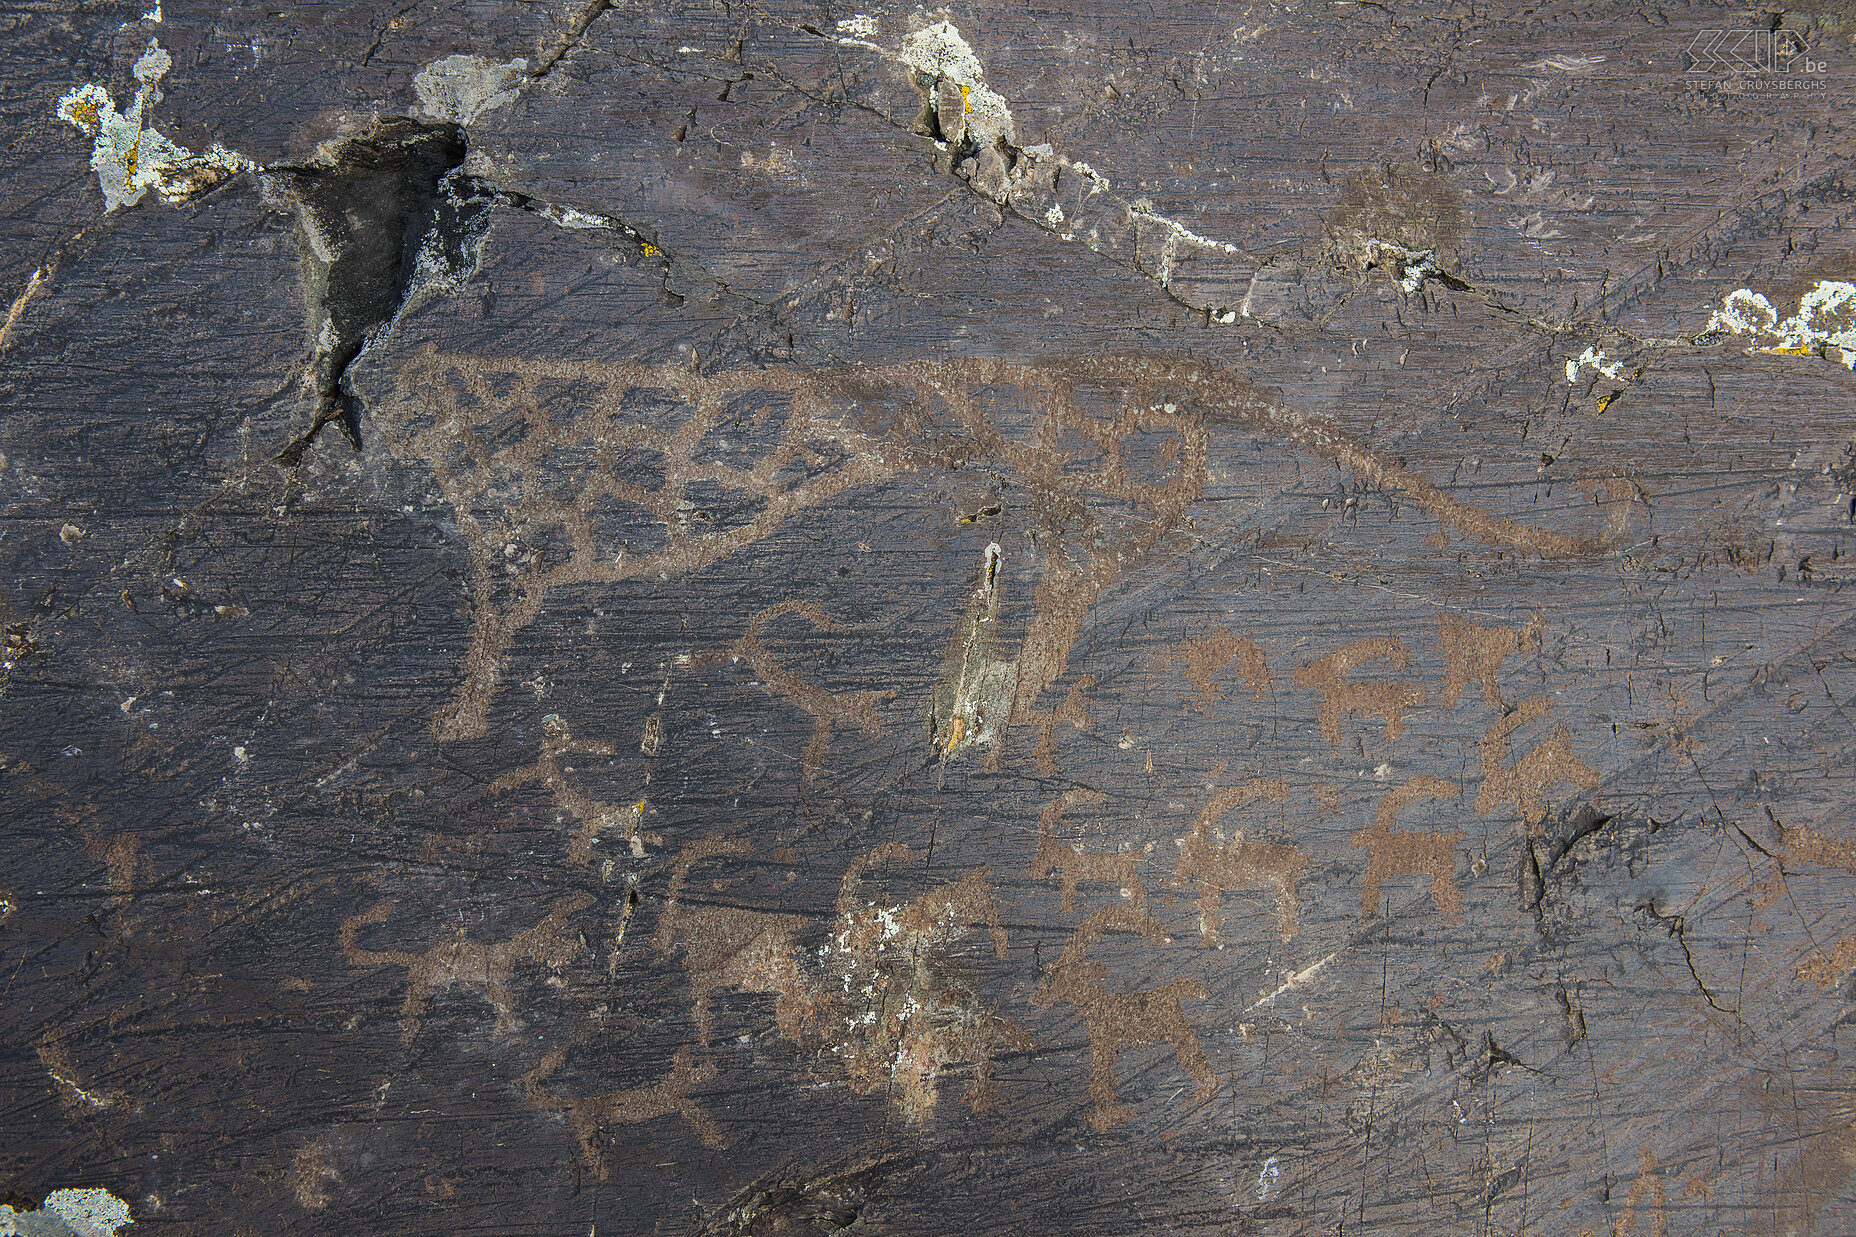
485	968
595	817
591	1115
1206	658
1387	700
1525	784
733	947
1648	1185
895	1006
1216	866
1397	854
850	708
1075	865
885	994
1473	651
1118	1021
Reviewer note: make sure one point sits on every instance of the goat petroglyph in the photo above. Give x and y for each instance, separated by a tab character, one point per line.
1395	854
1216	866
595	817
896	1007
1526	783
885	994
1205	659
592	1115
1472	651
1073	865
486	968
733	947
1118	1021
1386	699
827	709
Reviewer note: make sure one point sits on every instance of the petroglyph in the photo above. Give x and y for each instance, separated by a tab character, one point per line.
727	947
575	473
1827	965
1217	866
851	708
1474	652
1648	1185
1074	865
1396	854
1118	1021
485	968
1072	711
901	1010
1387	700
592	1115
1819	849
885	994
1525	784
595	816
545	500
1206	658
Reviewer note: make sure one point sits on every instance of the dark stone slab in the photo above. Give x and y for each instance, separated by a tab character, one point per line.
779	620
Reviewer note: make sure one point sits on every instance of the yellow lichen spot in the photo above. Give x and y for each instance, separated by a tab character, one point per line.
128	161
1800	350
652	251
965	101
84	115
639	807
1606	401
955	730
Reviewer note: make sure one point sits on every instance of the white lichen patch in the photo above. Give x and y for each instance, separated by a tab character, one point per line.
128	156
461	88
1067	197
1824	324
69	1213
1594	358
939	52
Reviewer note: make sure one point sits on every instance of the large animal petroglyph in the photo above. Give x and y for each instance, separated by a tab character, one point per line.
578	473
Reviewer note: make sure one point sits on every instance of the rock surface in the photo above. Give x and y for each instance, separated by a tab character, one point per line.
698	619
